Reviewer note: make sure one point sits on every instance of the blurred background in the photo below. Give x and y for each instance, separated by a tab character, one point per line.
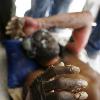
90	55
23	5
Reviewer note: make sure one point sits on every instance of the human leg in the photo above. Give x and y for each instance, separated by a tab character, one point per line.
38	8
60	6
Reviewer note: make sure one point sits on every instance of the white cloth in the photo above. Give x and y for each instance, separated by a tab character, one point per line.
93	6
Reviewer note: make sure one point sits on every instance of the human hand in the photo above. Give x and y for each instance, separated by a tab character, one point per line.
21	27
14	27
52	85
31	25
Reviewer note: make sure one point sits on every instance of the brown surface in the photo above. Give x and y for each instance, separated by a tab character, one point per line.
88	74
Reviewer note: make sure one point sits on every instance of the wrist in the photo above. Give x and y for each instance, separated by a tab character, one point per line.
41	23
44	23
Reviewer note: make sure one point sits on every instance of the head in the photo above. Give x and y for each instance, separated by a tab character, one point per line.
44	48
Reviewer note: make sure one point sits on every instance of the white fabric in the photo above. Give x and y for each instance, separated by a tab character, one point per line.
93	6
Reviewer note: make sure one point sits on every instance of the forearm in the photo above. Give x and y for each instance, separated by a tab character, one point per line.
81	22
67	20
80	38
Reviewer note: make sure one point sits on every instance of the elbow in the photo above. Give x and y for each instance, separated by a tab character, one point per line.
89	18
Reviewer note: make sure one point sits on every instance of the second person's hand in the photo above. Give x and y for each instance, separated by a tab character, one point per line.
21	27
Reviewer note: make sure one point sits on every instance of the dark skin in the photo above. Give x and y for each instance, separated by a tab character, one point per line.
61	82
88	74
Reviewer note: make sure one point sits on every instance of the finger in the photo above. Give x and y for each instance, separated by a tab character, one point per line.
66	96
16	22
14	18
9	25
54	71
73	69
22	21
12	32
9	32
60	96
74	76
60	64
23	34
10	29
81	95
67	84
12	22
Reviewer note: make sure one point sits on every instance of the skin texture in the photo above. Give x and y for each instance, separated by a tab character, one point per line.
42	46
82	29
80	22
88	74
64	86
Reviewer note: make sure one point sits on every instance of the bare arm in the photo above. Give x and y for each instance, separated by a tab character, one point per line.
80	37
81	22
67	20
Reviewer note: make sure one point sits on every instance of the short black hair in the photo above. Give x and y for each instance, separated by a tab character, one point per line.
43	46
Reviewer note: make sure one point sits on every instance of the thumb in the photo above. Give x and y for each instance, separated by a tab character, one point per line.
31	22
